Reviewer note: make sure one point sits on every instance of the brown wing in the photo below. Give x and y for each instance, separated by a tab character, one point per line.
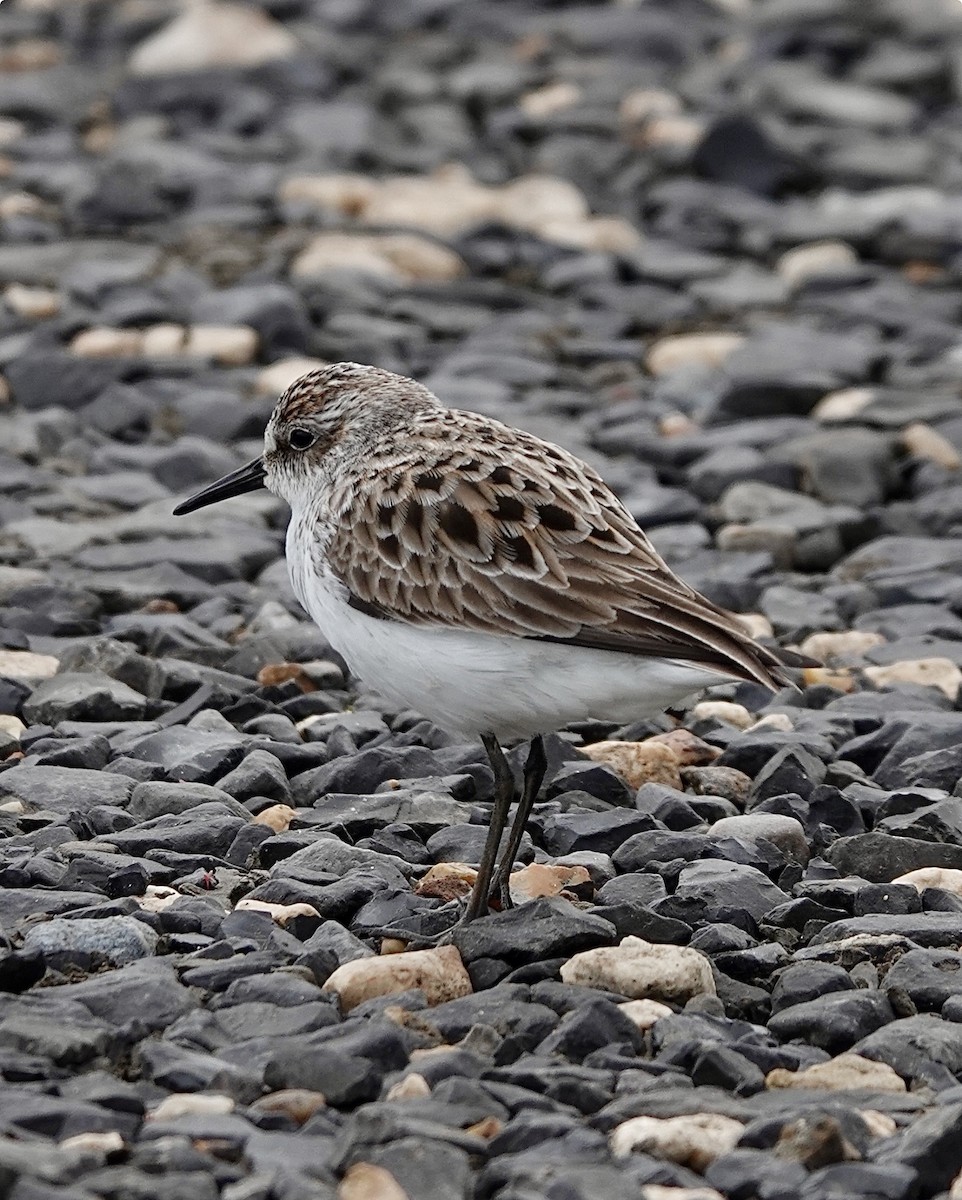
496	531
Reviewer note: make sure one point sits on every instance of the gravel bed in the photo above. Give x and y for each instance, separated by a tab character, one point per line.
713	246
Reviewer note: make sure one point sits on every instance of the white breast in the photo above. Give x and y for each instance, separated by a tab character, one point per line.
470	683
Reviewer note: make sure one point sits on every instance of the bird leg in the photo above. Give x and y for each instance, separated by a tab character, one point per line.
503	797
535	767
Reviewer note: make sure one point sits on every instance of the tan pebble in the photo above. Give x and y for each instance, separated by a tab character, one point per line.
24	665
300	1104
955	1188
687	747
214	34
20	204
104	342
948	879
439	973
644	1013
346	194
30	54
880	1125
843	405
642	104
545	879
409	1087
932	672
922	441
676	424
274	674
643	970
165	340
757	625
723	710
33	303
185	1104
403	257
693	1141
801	263
486	1128
108	1142
227	345
816	1141
727	782
840	678
780	721
17	807
550	99
390	945
279	376
281	914
678	350
681	131
846	646
365	1181
447	881
638	762
277	817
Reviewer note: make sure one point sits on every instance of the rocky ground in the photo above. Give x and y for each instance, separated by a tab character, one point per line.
715	246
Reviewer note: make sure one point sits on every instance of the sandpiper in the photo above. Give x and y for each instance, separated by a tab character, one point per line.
486	578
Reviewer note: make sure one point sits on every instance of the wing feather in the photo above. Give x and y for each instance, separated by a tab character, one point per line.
485	527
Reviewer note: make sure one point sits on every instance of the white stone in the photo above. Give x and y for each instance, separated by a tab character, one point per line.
692	1141
104	342
550	99
948	879
723	710
91	1142
157	897
187	1104
879	1124
403	257
846	1072
439	973
11	725
166	340
227	345
922	441
644	1013
846	646
33	303
662	1191
643	970
214	33
941	673
843	405
815	258
367	1181
776	720
409	1087
643	104
25	666
280	913
279	376
678	350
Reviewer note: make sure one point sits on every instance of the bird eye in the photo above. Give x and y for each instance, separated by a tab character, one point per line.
301	439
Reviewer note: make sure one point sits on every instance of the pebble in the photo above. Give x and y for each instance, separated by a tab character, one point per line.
683	350
642	970
638	762
213	34
693	1141
27	666
439	974
366	1181
845	1072
398	257
644	1013
802	263
941	673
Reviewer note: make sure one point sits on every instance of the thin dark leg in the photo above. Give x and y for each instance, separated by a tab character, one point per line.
503	797
534	771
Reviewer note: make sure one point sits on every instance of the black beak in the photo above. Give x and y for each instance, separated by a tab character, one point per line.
245	479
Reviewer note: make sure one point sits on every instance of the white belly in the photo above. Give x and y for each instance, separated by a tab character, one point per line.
471	683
